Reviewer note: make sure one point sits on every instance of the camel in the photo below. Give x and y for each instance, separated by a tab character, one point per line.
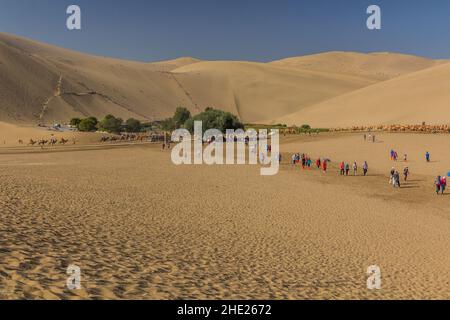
63	141
32	142
52	141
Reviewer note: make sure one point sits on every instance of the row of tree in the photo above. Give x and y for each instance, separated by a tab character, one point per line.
210	118
182	118
109	124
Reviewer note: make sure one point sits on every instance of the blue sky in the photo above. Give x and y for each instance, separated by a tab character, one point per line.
258	30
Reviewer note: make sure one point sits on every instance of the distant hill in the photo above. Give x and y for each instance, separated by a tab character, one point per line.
40	83
409	99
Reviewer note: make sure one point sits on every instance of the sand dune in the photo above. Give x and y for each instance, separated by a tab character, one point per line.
169	65
91	85
44	84
409	99
377	65
257	91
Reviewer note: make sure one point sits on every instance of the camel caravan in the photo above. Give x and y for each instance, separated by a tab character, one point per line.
422	128
124	137
134	137
42	142
53	141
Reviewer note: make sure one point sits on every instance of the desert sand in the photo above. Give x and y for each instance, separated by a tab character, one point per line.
40	83
140	227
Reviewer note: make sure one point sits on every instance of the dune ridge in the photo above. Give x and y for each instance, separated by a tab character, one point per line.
409	99
41	83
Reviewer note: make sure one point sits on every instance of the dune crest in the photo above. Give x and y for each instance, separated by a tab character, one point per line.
40	83
410	99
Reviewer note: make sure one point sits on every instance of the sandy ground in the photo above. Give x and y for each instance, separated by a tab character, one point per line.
140	227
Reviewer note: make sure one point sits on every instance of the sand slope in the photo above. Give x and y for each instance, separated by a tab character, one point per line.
377	65
44	84
409	99
257	91
79	84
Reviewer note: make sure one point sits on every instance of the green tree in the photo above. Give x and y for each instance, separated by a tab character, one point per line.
181	116
306	127
133	125
74	122
168	124
215	119
88	124
111	124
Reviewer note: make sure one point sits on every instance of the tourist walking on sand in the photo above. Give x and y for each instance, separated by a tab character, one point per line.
324	166
347	169
437	184
406	173
391	177
318	163
443	184
342	167
373	138
355	168
427	156
405	157
294	159
396	179
365	168
261	157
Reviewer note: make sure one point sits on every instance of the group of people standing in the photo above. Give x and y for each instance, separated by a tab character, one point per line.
394	156
322	163
345	168
307	163
441	184
370	137
394	178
